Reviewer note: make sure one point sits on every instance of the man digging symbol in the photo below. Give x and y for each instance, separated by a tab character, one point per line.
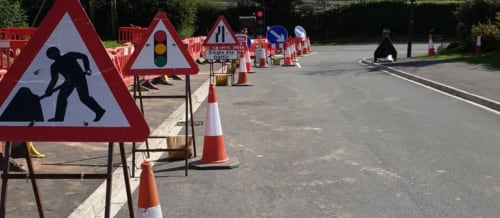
74	78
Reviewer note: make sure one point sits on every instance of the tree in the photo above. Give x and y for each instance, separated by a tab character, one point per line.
473	12
182	13
322	3
277	8
11	14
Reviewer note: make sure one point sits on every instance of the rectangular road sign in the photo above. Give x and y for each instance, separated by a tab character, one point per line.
221	54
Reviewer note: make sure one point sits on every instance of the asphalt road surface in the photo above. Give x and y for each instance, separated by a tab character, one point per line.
334	138
327	138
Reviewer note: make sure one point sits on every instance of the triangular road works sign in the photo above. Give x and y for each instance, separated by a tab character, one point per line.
64	87
221	36
160	52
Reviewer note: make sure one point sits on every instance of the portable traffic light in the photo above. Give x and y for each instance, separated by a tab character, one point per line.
260	15
160	49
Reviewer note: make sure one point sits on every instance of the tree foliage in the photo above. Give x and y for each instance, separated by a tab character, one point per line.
473	12
11	14
182	13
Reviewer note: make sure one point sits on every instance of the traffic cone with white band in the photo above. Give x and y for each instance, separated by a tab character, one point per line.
242	75
248	60
262	58
149	203
431	51
288	56
478	45
214	153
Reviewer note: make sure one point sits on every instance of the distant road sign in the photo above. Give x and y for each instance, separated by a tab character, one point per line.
161	52
221	36
241	37
300	32
277	34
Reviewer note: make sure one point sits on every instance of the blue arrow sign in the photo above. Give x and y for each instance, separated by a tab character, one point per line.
277	34
300	32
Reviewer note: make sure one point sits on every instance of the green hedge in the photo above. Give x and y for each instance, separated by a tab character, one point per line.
367	20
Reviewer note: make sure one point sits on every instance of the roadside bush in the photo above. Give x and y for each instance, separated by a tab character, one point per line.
489	36
368	18
206	15
474	12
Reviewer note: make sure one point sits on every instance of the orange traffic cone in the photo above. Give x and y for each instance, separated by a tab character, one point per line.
299	47
149	203
478	45
308	45
288	56
304	49
431	52
242	75
262	57
293	54
214	154
248	61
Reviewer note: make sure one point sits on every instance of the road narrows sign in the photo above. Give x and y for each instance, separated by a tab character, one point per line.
221	36
161	52
64	87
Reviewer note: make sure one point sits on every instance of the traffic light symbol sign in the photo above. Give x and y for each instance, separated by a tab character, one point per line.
160	49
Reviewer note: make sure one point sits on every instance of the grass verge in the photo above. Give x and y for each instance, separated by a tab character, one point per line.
488	59
111	44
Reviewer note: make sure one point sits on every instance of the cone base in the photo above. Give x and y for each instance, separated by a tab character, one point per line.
229	164
288	65
243	84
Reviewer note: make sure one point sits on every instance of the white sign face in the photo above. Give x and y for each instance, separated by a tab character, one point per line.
221	54
4	44
37	76
146	57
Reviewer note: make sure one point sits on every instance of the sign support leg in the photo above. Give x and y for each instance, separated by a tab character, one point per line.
138	95
188	87
126	177
109	178
33	181
188	113
33	177
5	177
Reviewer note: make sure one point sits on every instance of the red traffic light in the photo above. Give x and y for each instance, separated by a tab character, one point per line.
260	13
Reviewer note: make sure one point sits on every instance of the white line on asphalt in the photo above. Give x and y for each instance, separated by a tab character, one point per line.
439	91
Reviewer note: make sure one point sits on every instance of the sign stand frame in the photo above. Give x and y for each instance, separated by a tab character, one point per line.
212	74
137	94
6	175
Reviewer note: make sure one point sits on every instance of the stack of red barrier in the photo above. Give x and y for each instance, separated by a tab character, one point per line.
132	34
17	33
119	56
262	43
13	40
9	51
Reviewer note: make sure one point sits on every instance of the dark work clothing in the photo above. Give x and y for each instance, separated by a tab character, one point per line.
75	78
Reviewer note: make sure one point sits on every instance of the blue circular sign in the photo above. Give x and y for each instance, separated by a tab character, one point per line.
277	34
300	32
